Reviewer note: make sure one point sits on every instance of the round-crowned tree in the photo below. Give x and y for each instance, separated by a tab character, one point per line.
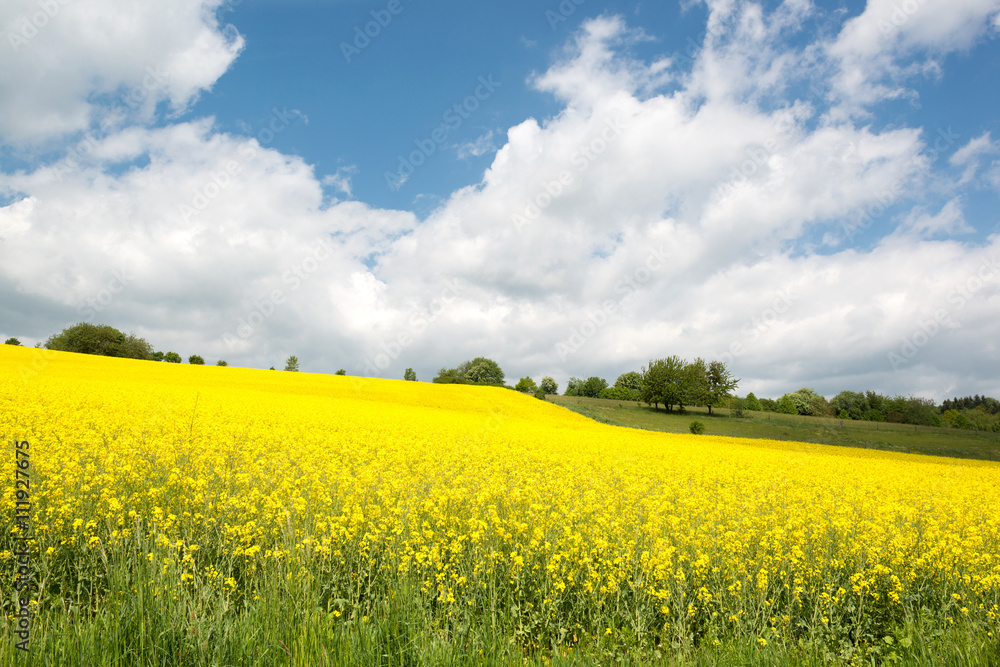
101	339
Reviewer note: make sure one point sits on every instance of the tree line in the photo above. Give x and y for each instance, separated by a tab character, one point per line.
671	381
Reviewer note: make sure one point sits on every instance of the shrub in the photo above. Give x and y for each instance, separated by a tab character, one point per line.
593	387
526	385
196	360
787	406
101	339
697	427
873	415
736	407
618	394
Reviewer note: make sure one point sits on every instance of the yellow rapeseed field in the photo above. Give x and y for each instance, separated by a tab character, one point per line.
490	503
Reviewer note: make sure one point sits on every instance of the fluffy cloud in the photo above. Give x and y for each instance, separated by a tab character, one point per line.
870	49
62	69
699	212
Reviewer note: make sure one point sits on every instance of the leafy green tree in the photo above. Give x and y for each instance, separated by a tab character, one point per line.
409	375
666	381
786	405
156	356
737	406
220	362
909	410
526	385
483	371
341	371
101	339
697	428
196	360
172	358
819	407
721	384
752	404
573	386
696	383
854	403
801	399
878	402
873	415
654	380
292	364
769	405
631	380
549	385
617	394
540	393
593	386
12	341
450	376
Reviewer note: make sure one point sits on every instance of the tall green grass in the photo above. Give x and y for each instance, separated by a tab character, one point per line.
129	611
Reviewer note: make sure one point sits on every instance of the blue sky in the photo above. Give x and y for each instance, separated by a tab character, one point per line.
807	191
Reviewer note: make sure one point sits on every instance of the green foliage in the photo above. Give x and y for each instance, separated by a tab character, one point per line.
752	404
526	385
619	394
172	358
549	385
409	375
292	364
697	427
450	376
196	360
156	356
907	410
540	393
666	381
478	371
631	381
873	415
340	371
100	339
696	383
220	362
786	405
737	407
988	404
854	404
573	386
801	399
12	341
769	405
593	387
721	384
483	371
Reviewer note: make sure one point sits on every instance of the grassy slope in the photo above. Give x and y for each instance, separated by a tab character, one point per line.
829	431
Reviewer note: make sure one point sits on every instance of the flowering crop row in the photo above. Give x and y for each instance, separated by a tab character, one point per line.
491	504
